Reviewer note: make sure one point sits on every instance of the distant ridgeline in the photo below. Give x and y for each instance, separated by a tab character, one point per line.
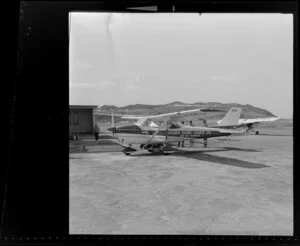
248	111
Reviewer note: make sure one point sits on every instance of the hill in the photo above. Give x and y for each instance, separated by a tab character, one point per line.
248	111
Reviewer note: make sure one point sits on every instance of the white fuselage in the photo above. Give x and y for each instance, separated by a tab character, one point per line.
166	136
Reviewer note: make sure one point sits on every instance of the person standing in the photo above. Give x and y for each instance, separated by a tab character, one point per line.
205	139
182	142
191	141
96	132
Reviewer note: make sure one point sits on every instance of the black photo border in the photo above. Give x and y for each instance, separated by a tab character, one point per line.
36	172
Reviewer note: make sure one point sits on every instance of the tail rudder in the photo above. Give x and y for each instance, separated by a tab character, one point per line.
231	118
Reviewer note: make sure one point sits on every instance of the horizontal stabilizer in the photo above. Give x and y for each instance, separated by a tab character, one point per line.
257	120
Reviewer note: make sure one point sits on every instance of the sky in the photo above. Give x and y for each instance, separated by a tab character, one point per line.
156	58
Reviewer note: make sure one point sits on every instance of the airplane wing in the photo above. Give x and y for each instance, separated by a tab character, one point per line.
177	116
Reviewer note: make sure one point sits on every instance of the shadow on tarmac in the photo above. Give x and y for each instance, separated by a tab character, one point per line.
200	155
220	160
230	148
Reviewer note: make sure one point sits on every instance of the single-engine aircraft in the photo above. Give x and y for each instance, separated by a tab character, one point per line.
162	138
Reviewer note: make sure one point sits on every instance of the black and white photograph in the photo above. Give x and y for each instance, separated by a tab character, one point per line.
181	123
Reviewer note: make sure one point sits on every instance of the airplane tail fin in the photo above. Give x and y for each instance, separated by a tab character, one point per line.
231	118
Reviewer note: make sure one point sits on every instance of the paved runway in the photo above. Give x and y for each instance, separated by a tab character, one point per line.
243	186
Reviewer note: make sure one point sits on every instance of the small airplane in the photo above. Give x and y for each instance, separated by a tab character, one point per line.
162	138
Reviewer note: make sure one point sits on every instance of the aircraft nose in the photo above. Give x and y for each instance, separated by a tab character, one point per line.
112	129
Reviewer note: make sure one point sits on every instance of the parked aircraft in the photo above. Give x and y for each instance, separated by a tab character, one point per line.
161	138
235	121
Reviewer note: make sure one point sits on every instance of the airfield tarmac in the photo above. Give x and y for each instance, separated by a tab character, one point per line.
241	186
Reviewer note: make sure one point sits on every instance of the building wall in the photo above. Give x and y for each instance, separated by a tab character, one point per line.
81	121
85	121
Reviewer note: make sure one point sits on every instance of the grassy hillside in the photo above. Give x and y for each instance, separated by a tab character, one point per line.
248	111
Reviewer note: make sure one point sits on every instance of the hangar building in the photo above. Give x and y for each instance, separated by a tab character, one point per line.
81	120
